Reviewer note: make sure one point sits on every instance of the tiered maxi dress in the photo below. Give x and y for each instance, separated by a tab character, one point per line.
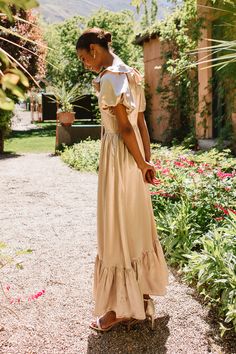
130	260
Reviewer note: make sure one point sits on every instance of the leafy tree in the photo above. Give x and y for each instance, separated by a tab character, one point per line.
64	66
20	45
62	39
123	28
150	13
27	47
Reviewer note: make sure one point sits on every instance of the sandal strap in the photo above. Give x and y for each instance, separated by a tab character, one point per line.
98	324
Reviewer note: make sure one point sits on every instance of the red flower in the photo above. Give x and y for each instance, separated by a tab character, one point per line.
157	164
206	166
188	162
225	211
179	164
162	194
156	181
165	171
223	175
219	218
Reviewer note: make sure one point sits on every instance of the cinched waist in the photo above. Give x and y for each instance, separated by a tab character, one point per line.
107	131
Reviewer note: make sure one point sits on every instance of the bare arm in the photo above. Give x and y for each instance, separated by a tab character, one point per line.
144	135
129	137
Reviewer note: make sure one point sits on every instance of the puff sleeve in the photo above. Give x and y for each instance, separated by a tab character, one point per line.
115	89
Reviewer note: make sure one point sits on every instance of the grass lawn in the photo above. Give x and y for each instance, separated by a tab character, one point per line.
37	140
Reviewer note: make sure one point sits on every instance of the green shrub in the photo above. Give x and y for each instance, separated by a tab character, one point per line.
213	270
83	156
179	232
195	210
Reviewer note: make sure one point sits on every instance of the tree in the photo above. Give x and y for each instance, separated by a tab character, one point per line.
27	48
150	13
20	46
123	28
62	38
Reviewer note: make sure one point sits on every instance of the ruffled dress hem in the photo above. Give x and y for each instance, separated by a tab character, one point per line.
121	289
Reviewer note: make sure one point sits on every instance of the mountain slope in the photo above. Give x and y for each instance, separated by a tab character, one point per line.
59	10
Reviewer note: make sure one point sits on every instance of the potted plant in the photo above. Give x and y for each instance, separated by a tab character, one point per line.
65	99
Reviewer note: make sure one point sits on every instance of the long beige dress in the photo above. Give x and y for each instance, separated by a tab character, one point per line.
130	260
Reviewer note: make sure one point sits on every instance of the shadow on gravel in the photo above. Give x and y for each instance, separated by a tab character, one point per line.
140	339
228	342
9	155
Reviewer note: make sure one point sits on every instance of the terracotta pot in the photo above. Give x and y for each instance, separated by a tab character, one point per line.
66	118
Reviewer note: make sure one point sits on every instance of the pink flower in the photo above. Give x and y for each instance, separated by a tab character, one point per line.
223	175
179	164
219	218
156	181
157	164
7	287
188	162
206	166
165	171
200	170
37	295
162	194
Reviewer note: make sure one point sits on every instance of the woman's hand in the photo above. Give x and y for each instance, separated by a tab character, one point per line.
148	172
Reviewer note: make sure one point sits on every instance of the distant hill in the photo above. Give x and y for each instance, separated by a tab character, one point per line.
59	10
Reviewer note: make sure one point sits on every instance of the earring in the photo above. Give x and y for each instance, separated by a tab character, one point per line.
94	55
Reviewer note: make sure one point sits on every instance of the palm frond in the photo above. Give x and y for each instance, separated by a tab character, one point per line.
28	50
20	65
216	8
7	30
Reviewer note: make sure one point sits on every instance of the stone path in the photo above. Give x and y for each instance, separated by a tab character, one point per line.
22	120
51	209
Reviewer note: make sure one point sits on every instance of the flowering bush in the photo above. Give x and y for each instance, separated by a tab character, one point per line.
213	269
194	202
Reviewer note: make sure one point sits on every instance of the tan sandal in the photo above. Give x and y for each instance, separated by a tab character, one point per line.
98	327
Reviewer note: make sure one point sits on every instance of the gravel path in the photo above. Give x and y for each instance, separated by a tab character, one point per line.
51	209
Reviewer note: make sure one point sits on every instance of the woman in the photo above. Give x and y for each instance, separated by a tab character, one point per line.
130	264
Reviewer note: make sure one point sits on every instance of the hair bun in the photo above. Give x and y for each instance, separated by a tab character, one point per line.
108	37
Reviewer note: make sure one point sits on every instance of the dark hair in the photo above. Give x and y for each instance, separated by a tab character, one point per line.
94	35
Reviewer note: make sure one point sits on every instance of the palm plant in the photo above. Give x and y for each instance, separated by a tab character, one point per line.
221	52
66	97
66	101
